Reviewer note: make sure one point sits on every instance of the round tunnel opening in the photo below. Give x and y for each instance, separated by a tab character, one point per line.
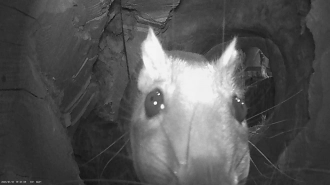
257	77
259	86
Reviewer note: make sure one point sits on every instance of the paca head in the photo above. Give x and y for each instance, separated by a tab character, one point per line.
188	125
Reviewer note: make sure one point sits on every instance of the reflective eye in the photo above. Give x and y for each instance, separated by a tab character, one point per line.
154	103
240	110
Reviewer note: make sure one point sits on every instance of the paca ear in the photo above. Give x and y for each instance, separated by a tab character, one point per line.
153	55
228	59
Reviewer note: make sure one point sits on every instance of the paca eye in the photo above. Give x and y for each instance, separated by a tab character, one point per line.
154	103
239	109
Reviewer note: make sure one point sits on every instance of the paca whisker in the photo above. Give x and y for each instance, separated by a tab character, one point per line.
285	174
275	105
264	157
170	173
256	82
113	143
263	126
262	154
254	164
297	129
121	148
277	122
270	163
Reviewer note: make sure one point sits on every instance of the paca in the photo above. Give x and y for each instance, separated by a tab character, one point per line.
188	121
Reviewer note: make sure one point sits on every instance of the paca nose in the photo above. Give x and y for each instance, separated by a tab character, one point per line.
210	171
210	148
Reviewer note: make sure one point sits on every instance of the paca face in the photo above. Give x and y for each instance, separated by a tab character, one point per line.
188	124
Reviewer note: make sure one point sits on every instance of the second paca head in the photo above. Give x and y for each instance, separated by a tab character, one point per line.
188	125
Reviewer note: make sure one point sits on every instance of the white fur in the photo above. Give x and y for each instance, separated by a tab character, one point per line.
229	55
153	55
